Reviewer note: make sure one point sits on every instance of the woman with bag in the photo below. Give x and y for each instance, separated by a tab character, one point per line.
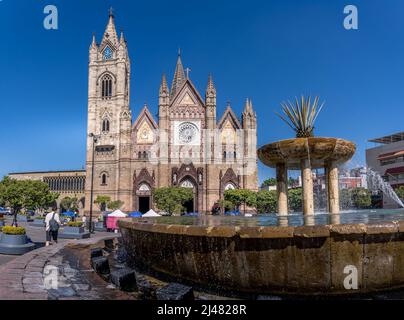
52	223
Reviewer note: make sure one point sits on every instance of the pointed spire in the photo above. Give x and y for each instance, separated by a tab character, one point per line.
248	109
110	31
122	38
163	86
211	86
179	75
93	42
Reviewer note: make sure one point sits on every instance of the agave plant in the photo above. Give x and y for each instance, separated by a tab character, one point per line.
301	115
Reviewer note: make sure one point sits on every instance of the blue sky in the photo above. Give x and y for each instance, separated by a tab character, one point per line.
267	50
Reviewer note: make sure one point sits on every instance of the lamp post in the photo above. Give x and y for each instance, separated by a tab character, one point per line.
94	141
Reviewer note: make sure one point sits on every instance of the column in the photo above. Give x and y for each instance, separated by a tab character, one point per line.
333	188
282	188
307	180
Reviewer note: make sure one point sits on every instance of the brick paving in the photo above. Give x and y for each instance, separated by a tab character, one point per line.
21	277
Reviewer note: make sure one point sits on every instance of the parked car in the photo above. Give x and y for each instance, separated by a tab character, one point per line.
30	213
5	211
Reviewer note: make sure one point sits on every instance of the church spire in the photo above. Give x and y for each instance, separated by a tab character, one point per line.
249	116
164	94
210	102
179	75
110	34
211	87
163	86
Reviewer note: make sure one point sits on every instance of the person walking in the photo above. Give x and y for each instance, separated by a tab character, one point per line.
52	224
84	220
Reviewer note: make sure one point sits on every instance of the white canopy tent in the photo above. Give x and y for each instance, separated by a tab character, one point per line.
151	213
117	213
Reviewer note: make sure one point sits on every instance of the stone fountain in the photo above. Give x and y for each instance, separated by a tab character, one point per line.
306	154
272	253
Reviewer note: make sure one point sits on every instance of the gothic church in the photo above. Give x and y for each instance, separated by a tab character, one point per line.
185	146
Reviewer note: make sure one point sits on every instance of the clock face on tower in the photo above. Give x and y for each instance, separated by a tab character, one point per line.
187	133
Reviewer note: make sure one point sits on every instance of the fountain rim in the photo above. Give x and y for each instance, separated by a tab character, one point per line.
261	232
318	159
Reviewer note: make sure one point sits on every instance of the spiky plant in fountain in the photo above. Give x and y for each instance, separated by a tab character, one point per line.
301	115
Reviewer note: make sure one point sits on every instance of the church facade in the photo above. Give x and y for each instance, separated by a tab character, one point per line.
186	146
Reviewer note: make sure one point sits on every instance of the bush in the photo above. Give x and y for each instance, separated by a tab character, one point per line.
13	230
75	224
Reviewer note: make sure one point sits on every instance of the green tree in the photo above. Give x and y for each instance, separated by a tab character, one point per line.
361	198
400	192
269	182
114	205
225	205
239	197
102	202
295	199
69	204
25	194
172	199
266	201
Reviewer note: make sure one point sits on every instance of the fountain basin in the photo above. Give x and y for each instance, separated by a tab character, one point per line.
257	259
319	149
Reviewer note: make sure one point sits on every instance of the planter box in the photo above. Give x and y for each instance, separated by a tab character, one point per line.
15	244
73	233
38	223
99	226
23	218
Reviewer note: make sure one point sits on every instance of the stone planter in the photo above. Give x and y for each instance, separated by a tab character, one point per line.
38	223
73	233
15	244
23	218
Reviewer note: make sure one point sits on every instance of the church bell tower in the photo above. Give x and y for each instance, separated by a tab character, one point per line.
109	116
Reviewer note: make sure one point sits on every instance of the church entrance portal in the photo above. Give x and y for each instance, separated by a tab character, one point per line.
190	204
144	204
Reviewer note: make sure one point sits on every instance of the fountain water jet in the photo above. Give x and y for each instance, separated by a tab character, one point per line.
377	183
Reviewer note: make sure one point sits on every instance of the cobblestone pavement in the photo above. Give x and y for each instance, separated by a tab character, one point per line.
24	277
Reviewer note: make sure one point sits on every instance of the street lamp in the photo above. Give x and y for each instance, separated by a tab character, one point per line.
94	140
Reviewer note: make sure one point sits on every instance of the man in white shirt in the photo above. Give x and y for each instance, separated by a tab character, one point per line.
52	228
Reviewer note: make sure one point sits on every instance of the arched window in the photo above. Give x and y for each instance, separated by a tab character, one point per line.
139	155
106	87
224	155
145	155
235	154
105	125
229	186
104	179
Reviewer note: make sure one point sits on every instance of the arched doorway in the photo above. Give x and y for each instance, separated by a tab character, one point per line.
144	197
191	205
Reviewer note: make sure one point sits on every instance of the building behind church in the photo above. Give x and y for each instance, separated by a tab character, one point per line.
187	145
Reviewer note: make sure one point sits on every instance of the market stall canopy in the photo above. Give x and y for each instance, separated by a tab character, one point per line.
69	213
117	213
135	214
151	213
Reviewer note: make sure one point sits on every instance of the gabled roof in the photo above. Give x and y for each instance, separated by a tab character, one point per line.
228	113
145	113
187	83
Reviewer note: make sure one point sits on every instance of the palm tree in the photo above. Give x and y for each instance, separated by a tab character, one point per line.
301	115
